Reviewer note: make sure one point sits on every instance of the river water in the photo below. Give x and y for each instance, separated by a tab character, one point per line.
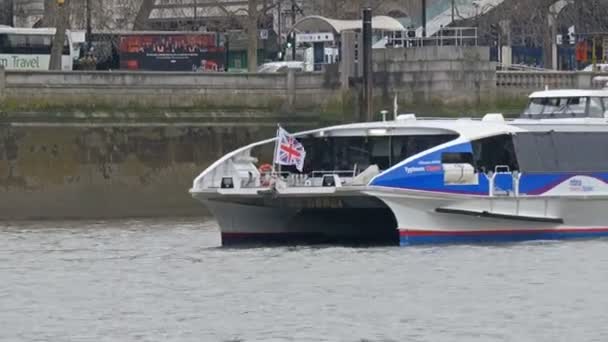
167	280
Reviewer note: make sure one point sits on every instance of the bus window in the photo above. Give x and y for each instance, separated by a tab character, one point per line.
16	44
39	44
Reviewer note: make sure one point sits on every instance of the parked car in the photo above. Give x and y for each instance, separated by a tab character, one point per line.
273	67
599	67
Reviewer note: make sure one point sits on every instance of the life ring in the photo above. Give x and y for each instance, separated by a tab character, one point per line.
265	174
265	168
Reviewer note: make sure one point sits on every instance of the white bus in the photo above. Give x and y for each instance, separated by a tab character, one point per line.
30	49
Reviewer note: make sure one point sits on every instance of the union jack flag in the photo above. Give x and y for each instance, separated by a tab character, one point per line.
289	151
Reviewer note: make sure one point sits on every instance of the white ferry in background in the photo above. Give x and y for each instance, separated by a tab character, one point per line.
418	181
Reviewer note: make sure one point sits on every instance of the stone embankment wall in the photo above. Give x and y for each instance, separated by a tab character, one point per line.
430	74
445	75
435	74
108	171
162	90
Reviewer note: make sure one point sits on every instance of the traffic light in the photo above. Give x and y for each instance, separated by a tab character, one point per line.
290	40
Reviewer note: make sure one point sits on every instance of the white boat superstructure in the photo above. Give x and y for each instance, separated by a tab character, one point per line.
422	180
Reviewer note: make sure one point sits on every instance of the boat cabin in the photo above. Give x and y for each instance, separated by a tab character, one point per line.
356	153
567	104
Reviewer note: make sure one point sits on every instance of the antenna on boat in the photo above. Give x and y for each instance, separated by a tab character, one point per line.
395	108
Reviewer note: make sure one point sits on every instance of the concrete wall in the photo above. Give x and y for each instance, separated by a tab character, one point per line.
444	74
95	171
167	90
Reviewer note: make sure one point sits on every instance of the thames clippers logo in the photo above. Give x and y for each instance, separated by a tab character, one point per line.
576	185
432	168
425	166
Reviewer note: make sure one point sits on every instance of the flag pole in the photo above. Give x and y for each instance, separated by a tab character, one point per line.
276	148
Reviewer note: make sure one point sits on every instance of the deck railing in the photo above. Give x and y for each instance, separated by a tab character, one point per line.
526	81
313	179
536	79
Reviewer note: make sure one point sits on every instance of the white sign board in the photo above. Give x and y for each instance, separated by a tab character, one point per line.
264	34
314	37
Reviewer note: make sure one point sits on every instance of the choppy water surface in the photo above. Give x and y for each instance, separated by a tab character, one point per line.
168	281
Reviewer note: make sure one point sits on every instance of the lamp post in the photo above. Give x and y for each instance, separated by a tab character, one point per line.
89	28
294	7
367	64
423	18
453	10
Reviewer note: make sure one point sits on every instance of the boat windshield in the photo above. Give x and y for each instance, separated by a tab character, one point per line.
560	107
357	153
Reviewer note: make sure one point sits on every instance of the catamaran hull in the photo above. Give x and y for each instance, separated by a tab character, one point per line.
249	222
447	219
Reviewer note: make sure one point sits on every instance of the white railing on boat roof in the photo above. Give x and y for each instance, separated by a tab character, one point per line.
486	117
312	179
348	173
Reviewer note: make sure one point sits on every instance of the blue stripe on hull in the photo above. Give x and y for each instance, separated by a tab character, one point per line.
406	239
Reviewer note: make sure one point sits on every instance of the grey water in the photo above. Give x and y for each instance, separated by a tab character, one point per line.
167	280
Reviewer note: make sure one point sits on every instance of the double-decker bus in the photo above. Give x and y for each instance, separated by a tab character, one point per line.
30	49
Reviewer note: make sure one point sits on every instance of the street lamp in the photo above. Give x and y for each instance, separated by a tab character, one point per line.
423	18
89	28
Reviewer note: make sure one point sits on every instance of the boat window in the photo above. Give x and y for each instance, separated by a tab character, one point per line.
605	101
574	106
552	106
596	108
557	106
562	151
535	107
488	153
457	158
358	153
406	146
380	153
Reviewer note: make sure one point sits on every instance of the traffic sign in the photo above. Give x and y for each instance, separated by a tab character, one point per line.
314	37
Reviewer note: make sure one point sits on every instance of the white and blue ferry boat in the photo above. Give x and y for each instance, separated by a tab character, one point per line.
418	181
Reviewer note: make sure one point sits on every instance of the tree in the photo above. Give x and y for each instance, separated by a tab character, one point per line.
537	23
62	20
143	14
249	18
6	12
